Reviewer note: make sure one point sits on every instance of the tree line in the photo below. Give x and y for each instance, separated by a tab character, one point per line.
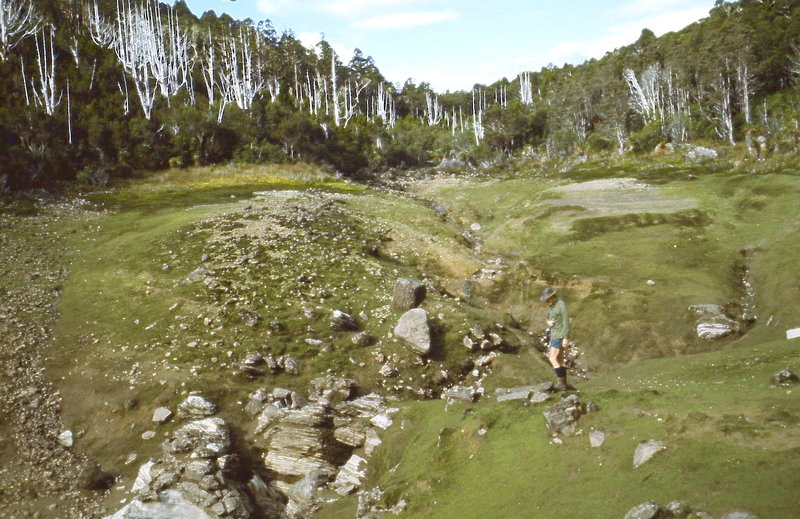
96	90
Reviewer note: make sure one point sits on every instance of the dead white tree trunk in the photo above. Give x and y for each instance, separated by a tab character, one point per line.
208	68
18	20
745	86
241	73
44	91
525	88
334	90
722	108
433	110
477	117
645	95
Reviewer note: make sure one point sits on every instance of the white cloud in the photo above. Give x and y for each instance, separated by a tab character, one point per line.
406	20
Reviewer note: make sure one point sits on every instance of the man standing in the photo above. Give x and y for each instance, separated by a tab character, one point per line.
558	321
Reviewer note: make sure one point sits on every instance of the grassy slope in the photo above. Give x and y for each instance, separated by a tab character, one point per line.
127	322
604	262
733	442
118	279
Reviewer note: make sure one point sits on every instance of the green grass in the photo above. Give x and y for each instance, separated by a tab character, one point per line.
603	262
732	443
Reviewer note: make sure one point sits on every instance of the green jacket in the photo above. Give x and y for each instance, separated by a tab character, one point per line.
558	313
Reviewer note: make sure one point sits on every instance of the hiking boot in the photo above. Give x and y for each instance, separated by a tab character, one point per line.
561	385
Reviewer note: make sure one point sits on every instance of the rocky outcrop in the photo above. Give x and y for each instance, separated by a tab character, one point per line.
191	479
648	510
322	440
413	330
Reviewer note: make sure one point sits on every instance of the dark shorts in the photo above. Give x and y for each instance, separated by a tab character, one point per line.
556	343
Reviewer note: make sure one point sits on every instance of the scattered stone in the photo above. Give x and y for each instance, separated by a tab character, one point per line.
196	406
650	282
701	153
414	331
371	505
793	333
363	339
197	275
290	366
678	509
597	438
388	371
66	439
342	322
648	510
330	389
463	393
148	435
468	343
250	319
408	294
645	451
522	395
303	495
253	365
785	377
739	515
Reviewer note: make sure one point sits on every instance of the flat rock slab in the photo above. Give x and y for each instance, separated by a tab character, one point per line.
645	451
648	510
597	438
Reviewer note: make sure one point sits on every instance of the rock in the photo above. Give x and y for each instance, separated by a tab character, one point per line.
562	418
739	515
382	420
162	415
196	406
522	395
700	153
148	435
794	333
92	477
468	343
388	371
353	435
342	322
531	388
290	366
373	440
414	331
712	327
170	505
205	438
677	510
408	294
298	441
363	339
303	494
463	393
351	475
648	510
250	319
198	274
266	497
645	451
253	364
784	377
371	505
597	438
330	389
65	439
190	480
706	309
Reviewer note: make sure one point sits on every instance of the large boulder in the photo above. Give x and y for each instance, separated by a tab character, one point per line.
413	330
712	323
785	377
408	294
195	406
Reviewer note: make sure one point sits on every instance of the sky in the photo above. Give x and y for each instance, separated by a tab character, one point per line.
455	44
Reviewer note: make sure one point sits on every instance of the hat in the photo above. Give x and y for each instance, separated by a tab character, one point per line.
547	294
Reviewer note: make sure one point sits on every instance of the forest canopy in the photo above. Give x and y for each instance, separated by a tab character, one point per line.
97	90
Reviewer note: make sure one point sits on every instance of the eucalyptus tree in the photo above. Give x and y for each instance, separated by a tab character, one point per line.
18	20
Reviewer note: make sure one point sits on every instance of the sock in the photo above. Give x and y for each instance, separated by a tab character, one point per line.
561	372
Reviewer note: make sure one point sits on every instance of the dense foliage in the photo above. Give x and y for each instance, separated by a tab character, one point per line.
98	90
